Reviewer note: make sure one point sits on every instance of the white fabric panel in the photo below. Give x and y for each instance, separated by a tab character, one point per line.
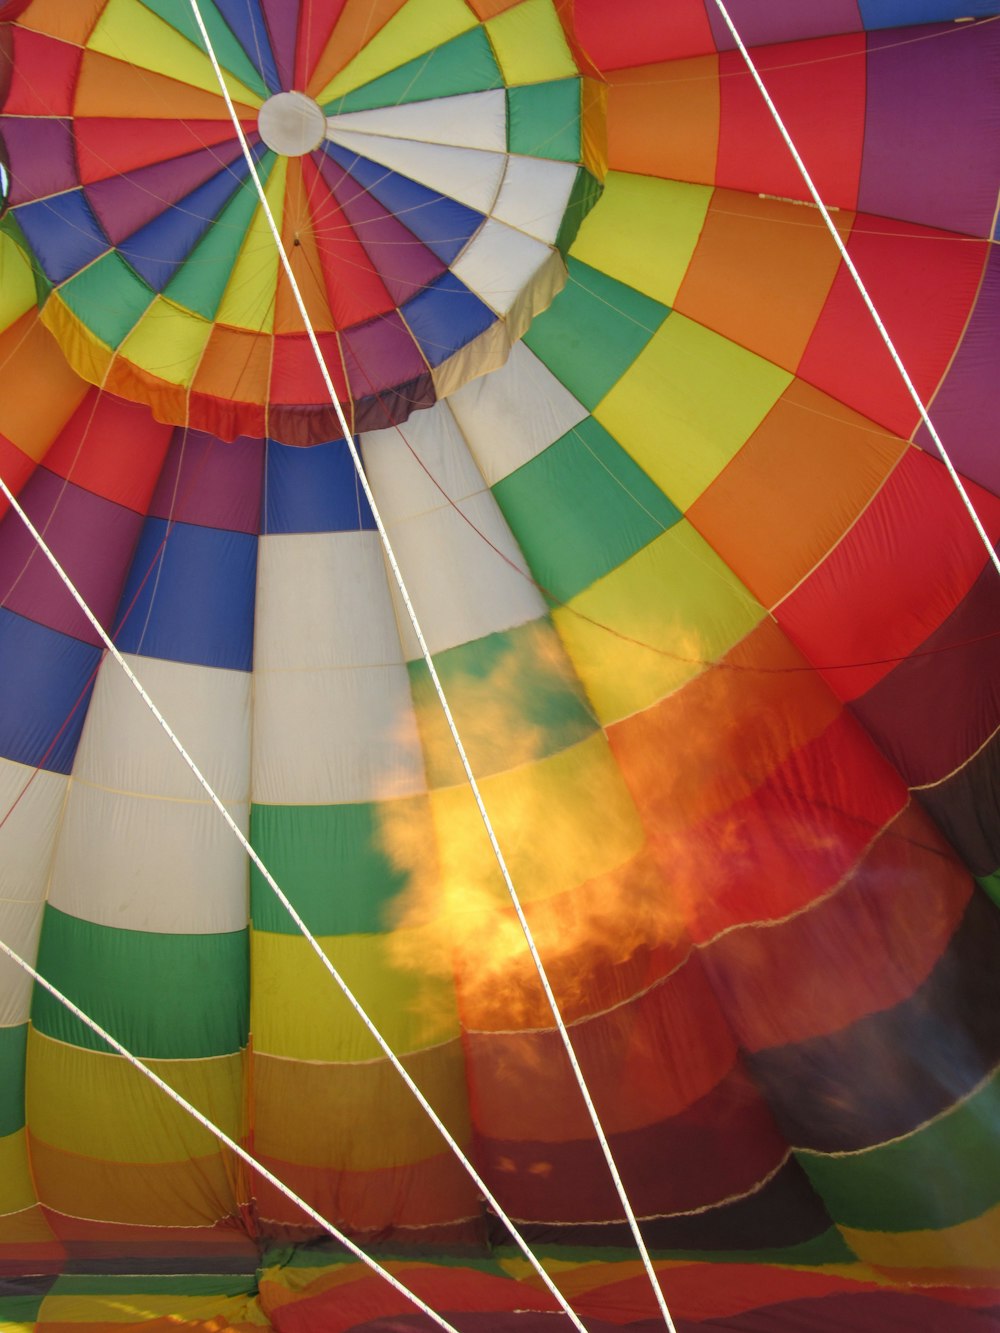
461	587
509	417
333	716
143	863
469	120
20	927
123	746
34	800
322	601
433	435
499	263
470	175
325	737
534	195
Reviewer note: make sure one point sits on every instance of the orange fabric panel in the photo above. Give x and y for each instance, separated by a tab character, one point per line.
663	120
299	239
109	87
487	9
802	478
70	23
358	23
760	274
705	747
235	365
41	392
832	959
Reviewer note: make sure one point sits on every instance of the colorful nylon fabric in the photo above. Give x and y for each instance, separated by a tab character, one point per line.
717	631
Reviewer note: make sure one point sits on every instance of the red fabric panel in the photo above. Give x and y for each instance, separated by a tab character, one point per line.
643	1062
822	103
43	77
316	23
923	284
896	575
722	1146
295	375
112	448
109	147
790	840
865	948
635	32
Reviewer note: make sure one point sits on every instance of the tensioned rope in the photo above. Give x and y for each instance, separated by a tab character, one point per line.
224	1138
436	681
859	283
282	897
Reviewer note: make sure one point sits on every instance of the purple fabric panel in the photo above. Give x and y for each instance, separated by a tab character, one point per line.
282	19
92	538
932	127
934	710
966	408
40	157
380	354
210	482
783	20
125	203
403	262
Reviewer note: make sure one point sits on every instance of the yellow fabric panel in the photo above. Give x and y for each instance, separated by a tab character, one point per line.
530	45
197	1314
42	391
593	127
652	623
16	1189
298	1011
250	296
923	1255
132	33
17	286
167	341
687	404
86	354
287	1094
119	1115
418	27
643	232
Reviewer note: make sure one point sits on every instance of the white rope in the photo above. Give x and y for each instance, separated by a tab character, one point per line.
438	687
224	1138
282	897
862	289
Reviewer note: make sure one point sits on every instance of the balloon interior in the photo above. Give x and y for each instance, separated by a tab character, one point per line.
715	626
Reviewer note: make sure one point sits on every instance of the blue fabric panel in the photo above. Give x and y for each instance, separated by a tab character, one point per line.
443	225
63	233
157	250
47	679
247	22
190	596
900	13
445	317
313	490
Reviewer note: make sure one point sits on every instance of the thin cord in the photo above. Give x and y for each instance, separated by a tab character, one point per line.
279	893
439	690
859	283
224	1138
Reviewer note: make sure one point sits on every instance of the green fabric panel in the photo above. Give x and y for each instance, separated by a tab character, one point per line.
593	331
154	1284
329	861
515	698
18	1314
200	282
581	508
173	997
991	885
584	195
463	65
543	120
12	1046
943	1174
231	55
109	297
